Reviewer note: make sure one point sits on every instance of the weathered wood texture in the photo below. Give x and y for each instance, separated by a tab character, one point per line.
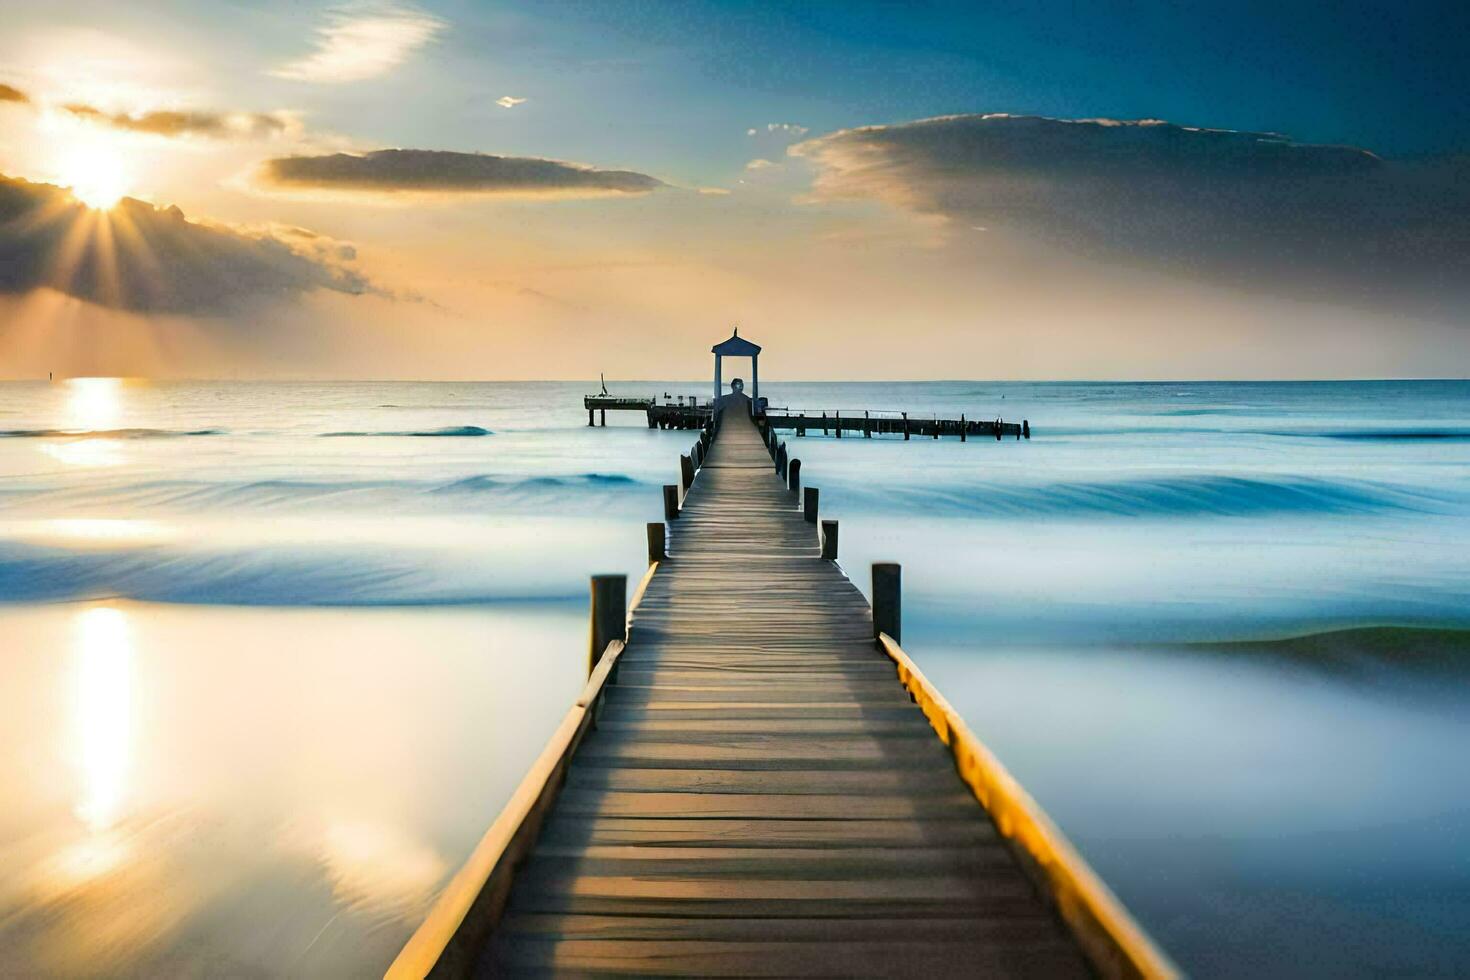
760	797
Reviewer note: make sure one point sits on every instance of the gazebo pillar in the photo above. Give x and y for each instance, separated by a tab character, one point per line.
755	379
717	378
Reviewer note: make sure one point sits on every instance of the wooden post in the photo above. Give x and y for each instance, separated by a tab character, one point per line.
905	426
671	502
793	476
656	548
781	460
603	413
888	599
999	425
824	423
589	416
829	540
962	427
867	425
1026	428
686	472
696	453
809	505
609	614
837	424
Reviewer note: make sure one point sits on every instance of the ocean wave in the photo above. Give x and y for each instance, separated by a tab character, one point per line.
1364	651
380	496
1385	435
107	433
1197	495
274	577
483	484
449	431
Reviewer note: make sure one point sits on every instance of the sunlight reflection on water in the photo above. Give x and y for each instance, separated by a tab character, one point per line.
207	791
93	403
103	716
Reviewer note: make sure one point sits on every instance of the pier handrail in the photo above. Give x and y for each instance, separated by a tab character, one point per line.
451	936
853	413
1114	942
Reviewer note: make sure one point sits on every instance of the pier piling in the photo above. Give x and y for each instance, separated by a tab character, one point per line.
671	502
829	540
793	476
686	472
656	547
888	599
609	615
809	505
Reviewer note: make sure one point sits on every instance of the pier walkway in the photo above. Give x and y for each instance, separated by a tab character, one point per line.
750	789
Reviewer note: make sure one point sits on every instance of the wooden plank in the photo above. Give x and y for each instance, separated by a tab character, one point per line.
772	862
788	806
1015	930
844	958
566	829
850	782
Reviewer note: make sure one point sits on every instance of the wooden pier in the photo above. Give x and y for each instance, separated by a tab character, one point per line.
758	781
869	424
695	415
669	414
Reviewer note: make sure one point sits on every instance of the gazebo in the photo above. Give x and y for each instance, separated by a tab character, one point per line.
738	346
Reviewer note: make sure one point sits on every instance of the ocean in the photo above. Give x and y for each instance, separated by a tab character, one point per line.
276	653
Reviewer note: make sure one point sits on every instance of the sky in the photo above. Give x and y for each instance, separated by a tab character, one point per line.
386	189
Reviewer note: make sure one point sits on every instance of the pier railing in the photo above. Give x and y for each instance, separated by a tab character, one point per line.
1113	941
454	933
452	936
869	423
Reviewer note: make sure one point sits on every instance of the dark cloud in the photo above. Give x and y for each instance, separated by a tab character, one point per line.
177	123
445	172
214	125
1252	208
138	257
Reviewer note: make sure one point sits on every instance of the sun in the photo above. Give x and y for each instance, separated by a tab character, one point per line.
95	172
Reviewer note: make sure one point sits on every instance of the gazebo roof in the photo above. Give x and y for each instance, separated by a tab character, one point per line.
736	346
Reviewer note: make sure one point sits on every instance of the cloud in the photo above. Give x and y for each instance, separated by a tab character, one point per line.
1251	208
363	41
759	164
138	257
177	122
439	172
784	129
508	101
204	123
